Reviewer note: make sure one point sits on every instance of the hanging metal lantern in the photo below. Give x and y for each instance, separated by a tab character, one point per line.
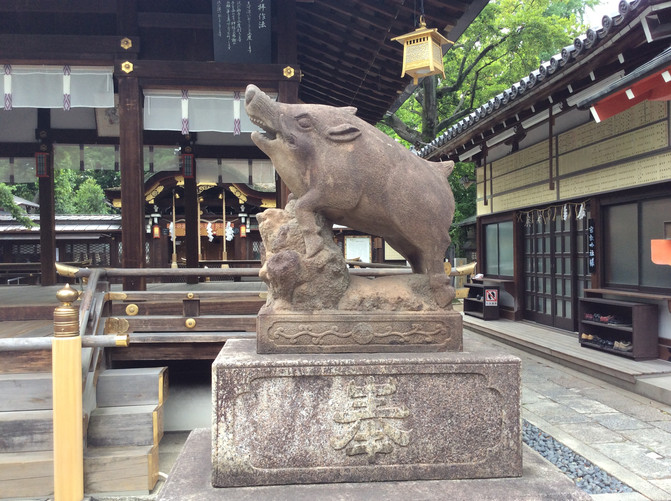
41	164
188	170
422	52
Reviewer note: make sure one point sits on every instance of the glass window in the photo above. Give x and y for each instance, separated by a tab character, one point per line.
628	229
499	249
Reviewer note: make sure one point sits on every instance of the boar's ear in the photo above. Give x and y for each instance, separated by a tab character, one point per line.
343	133
447	167
349	109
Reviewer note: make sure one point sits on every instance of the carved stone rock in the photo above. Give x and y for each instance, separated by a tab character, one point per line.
315	306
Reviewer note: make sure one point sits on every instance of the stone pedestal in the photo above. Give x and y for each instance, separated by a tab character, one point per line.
298	419
189	480
350	331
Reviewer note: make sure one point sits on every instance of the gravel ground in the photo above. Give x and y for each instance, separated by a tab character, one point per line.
588	477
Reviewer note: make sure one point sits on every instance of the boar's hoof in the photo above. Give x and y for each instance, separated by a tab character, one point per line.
442	291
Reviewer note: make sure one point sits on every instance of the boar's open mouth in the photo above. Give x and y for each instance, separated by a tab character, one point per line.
269	132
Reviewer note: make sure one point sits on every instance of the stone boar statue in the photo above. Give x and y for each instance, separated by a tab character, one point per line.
353	174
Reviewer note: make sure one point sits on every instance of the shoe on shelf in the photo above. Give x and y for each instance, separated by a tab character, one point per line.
626	346
618	320
586	337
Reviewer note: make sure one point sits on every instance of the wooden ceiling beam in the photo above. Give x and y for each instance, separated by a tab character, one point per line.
64	47
209	74
59	6
364	106
167	20
378	63
350	17
327	79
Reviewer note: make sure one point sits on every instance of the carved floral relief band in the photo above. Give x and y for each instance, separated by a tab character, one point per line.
341	331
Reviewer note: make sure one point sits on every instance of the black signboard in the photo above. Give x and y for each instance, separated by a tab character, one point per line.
241	31
591	247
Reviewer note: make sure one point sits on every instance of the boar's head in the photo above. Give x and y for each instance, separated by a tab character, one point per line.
300	136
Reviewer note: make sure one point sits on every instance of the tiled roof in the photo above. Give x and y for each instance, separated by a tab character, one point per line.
67	223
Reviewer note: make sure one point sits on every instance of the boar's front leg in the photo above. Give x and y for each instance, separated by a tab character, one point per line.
307	207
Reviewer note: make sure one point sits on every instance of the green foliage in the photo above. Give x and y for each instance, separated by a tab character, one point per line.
464	198
7	203
82	192
64	191
90	198
27	191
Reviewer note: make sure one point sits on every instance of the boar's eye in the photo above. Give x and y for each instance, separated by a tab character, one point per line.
304	121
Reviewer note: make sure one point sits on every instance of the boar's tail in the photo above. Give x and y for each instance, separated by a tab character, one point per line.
445	168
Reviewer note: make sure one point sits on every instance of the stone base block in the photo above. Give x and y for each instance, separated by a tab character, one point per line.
354	332
189	480
294	419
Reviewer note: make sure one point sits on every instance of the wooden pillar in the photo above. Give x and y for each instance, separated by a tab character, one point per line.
47	202
132	179
191	223
287	53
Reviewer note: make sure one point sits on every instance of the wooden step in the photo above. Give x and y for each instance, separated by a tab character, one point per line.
137	386
178	323
188	337
126	470
165	351
130	425
17	362
25	392
26	474
209	304
26	431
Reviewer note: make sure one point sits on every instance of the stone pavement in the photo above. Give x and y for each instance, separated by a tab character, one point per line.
624	434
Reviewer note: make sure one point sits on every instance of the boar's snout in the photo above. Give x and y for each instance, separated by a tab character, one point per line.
250	92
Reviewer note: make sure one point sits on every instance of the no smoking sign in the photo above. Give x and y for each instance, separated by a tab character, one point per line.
491	297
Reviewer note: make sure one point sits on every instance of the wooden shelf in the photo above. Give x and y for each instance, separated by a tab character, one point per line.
638	326
475	304
622	353
629	294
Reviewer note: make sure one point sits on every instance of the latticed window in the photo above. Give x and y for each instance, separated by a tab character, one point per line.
26	253
256	250
80	252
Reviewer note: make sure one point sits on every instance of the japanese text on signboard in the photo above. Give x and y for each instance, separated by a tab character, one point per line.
241	31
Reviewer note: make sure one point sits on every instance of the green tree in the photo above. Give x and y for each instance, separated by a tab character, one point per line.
64	191
89	198
462	182
7	203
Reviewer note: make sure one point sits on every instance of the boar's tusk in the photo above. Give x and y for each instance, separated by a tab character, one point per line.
343	133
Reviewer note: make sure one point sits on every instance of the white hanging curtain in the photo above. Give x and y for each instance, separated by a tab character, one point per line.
195	111
63	87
